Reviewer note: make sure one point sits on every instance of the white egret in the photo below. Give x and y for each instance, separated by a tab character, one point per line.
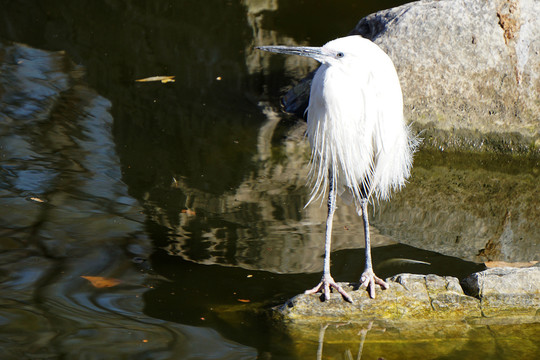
361	147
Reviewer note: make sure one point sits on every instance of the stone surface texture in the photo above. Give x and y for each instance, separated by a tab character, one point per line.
469	70
505	290
494	293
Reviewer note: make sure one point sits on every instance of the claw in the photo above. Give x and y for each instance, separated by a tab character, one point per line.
324	286
369	280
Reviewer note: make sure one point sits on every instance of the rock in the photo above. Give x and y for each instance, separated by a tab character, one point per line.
470	71
497	293
409	297
505	290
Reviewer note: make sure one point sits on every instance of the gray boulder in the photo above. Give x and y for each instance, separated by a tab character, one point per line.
505	290
469	70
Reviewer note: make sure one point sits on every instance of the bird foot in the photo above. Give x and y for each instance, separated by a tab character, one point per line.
324	286
369	279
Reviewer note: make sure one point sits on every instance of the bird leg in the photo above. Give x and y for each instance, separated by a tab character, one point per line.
368	278
327	281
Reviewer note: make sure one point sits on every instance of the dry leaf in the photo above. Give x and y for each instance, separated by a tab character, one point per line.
101	282
163	79
188	212
36	199
244	300
494	264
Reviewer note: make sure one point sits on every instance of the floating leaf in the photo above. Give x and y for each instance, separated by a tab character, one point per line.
101	282
163	79
244	300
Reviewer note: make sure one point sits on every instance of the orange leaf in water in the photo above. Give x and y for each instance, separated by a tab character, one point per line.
244	300
101	282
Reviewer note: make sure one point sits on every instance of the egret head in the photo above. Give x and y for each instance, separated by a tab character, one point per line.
334	52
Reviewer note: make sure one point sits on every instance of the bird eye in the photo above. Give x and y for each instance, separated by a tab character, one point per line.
340	55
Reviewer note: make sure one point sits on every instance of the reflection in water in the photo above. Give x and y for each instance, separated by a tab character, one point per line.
66	214
457	205
414	340
476	207
348	355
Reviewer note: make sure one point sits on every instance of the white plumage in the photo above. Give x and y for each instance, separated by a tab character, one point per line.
361	147
355	123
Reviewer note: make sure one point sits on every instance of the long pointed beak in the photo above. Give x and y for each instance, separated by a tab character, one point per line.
316	53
